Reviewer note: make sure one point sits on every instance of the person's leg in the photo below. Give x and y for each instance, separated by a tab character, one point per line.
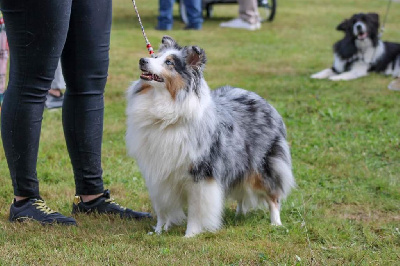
36	33
165	19
85	62
248	11
248	16
194	13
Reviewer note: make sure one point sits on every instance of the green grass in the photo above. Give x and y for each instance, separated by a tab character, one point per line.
344	139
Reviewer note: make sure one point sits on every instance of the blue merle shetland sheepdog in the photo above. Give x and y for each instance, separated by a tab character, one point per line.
361	51
195	147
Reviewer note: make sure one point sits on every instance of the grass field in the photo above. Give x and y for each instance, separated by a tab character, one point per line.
344	138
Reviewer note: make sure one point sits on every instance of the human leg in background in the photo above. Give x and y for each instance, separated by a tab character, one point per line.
3	58
165	19
248	11
249	18
194	14
55	97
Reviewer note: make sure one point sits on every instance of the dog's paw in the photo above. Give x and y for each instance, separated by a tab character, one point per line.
189	235
317	76
167	226
337	78
158	230
193	232
326	73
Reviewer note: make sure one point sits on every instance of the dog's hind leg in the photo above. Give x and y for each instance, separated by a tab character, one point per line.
205	206
239	207
278	177
358	70
274	209
174	217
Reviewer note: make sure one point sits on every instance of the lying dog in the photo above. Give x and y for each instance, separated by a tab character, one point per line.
195	146
361	51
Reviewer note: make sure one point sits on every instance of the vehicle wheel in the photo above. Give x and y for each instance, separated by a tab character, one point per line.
267	9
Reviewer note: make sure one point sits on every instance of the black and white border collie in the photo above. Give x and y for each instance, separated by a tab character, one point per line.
361	51
195	147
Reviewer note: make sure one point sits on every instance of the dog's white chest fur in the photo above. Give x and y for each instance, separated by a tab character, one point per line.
367	53
158	134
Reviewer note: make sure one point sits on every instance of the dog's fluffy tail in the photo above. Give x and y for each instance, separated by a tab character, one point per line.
278	167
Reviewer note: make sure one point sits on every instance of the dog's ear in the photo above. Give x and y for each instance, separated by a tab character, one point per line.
344	25
195	56
168	42
374	17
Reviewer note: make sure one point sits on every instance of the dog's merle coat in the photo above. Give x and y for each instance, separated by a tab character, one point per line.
195	146
361	50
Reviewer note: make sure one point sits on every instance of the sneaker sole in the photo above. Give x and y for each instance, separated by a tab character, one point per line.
29	219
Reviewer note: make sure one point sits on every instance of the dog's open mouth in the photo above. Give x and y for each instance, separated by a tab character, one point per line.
362	35
149	77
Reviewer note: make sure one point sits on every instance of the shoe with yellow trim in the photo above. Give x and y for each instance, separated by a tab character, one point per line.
106	205
35	209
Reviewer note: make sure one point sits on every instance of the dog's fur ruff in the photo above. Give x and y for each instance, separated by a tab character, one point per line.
195	146
361	51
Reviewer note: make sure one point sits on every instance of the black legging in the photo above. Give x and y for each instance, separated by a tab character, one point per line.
39	32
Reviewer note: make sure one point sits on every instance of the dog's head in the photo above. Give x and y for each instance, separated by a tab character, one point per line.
174	68
361	26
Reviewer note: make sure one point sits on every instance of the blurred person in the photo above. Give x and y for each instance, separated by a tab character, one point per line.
193	11
249	18
55	97
3	58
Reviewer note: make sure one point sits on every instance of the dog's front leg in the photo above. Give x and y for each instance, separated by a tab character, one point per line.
205	205
357	71
160	223
326	73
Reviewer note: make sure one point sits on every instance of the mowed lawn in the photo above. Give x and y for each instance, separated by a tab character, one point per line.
344	139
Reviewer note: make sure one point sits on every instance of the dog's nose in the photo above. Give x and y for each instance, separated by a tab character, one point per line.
143	61
359	28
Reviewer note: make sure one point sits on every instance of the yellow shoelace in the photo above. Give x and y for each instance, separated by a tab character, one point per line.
111	201
41	205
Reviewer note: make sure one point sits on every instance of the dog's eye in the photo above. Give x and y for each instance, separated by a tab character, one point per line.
169	63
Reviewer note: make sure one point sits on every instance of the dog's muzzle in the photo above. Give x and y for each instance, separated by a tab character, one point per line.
147	75
360	30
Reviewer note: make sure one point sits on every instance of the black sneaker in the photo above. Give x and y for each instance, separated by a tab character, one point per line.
105	204
36	209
